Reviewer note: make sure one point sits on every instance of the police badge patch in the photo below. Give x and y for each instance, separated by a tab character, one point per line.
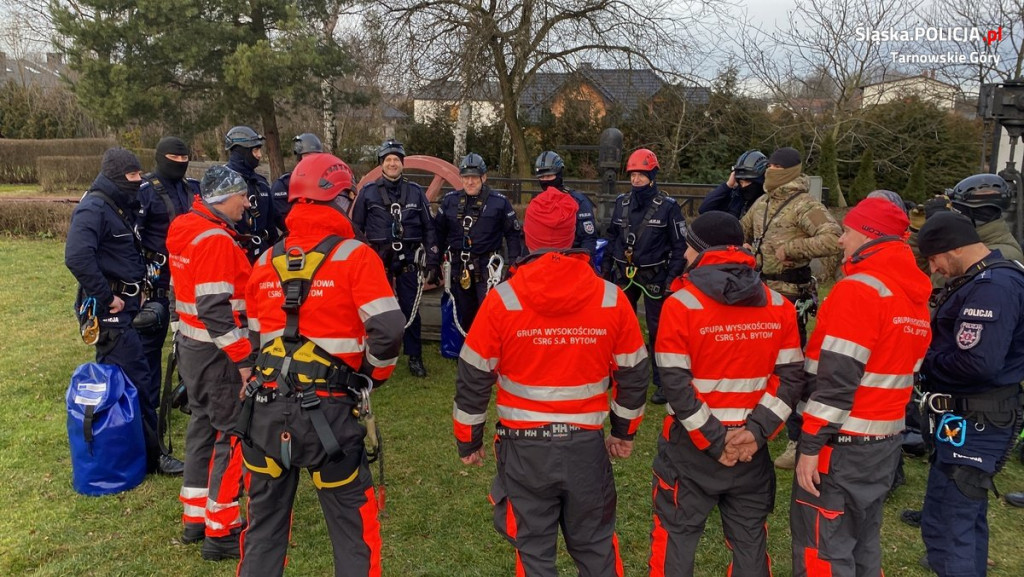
588	227
969	335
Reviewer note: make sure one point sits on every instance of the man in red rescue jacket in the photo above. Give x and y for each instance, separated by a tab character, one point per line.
209	271
871	336
555	338
330	330
730	359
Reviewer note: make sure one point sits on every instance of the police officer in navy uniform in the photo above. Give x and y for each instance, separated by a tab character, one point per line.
971	377
245	150
549	168
646	242
302	145
165	193
394	214
744	186
104	253
471	224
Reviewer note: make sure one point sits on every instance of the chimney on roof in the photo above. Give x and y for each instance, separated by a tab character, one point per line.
54	60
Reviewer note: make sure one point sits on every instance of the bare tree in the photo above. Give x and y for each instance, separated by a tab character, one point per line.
512	40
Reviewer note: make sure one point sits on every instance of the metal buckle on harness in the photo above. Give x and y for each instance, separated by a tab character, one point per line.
467	221
929	402
130	289
161	259
397	247
296	258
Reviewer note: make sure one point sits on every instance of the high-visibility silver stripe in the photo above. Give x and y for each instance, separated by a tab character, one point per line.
263	258
595	418
868	427
698	419
381	363
193	511
339	346
730	415
872	282
254	324
787	356
673	360
545	393
917	365
377	307
267	337
826	412
811	366
214	506
238	304
214	288
689	301
186	307
508	296
207	234
194	333
776	406
628	414
345	249
881	381
846	348
777	299
748	385
193	492
611	295
465	418
477	361
632	359
226	340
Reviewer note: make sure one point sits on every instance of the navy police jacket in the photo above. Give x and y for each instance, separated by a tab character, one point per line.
497	221
266	220
152	220
279	196
978	334
101	249
372	215
660	243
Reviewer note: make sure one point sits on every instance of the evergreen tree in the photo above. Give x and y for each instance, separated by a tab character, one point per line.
916	190
195	65
827	169
864	183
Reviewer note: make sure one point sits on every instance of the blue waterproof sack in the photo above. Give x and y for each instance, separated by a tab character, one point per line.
108	451
602	246
451	338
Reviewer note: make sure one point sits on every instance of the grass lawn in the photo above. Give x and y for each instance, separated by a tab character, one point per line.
437	521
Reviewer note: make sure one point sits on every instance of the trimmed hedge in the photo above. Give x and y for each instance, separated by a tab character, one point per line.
40	218
62	173
18	157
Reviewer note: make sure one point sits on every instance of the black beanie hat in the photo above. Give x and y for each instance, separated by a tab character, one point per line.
944	232
714	228
785	157
118	162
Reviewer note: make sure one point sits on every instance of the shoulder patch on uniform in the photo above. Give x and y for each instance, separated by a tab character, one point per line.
969	335
818	216
669	199
979	314
588	227
497	194
681	228
451	193
985	275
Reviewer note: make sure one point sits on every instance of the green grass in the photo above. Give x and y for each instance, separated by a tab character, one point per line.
20	190
438	520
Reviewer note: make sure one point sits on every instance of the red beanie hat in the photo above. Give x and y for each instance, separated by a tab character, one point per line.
877	217
550	220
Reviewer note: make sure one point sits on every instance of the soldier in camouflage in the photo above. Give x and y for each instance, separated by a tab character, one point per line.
786	228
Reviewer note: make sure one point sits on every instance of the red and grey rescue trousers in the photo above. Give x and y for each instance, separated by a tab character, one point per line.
563	480
838	533
687	486
344	487
211	482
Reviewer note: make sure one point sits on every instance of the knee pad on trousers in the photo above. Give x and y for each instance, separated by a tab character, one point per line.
258	462
341	473
973	483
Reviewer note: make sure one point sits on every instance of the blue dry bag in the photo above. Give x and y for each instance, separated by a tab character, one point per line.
108	451
451	338
602	246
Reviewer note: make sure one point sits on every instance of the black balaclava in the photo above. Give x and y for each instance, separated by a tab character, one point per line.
246	156
116	163
170	169
647	192
752	191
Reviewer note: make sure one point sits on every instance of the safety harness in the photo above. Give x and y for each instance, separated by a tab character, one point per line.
468	214
157	260
292	364
397	237
633	238
117	286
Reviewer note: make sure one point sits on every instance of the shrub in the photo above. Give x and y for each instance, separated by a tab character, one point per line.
18	157
60	173
39	218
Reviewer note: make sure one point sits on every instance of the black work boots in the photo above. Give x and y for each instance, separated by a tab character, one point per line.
416	367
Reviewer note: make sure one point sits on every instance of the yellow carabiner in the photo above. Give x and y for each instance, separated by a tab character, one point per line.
630	272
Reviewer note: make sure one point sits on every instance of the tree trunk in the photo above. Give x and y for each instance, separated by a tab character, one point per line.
518	140
272	146
461	129
330	126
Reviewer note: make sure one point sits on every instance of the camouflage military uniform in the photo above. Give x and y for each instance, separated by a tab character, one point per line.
803	228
